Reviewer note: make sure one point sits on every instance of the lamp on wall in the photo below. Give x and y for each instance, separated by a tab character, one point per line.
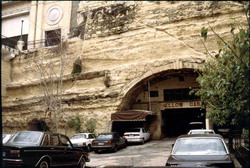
20	42
21	37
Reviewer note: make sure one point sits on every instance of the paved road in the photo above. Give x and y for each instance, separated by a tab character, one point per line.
153	153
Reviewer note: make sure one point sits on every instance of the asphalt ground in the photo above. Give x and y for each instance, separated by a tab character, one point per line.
151	154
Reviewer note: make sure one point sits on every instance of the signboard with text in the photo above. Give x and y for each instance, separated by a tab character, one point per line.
173	105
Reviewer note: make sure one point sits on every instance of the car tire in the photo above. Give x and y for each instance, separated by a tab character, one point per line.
115	148
125	144
43	164
82	163
89	148
143	141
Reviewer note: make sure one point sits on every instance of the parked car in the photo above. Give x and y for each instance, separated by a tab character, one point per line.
108	141
83	140
137	135
201	131
42	150
196	125
200	150
6	137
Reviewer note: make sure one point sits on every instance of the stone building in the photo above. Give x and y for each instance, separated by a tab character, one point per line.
139	62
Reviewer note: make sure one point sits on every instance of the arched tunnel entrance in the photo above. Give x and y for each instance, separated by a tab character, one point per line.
168	95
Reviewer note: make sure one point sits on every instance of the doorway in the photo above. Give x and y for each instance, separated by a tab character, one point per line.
176	121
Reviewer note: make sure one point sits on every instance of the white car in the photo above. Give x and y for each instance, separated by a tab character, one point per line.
83	140
137	135
6	137
201	131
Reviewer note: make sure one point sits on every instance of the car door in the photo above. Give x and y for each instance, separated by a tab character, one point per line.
145	134
56	151
117	139
91	137
69	154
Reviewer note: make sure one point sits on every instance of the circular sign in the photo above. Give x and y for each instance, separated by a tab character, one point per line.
54	15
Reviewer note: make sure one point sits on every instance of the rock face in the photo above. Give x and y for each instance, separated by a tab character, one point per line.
120	44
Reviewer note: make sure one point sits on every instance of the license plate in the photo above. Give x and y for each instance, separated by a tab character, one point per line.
131	135
100	143
4	153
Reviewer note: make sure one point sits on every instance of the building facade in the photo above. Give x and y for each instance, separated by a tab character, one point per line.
138	57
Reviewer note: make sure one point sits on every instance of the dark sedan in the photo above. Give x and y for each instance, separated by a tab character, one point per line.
108	141
203	150
42	150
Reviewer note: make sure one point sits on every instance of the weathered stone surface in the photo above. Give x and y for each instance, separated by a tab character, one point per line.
130	42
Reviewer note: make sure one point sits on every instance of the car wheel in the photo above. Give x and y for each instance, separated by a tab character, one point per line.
88	148
43	164
82	163
97	151
125	144
115	148
143	141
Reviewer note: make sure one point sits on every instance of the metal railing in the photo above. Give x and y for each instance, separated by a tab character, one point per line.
240	148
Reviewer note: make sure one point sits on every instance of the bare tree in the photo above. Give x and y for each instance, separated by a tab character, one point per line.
50	71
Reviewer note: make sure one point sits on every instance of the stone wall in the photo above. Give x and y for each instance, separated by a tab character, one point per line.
120	44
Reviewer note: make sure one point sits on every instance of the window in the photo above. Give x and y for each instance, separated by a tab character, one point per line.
65	141
45	140
154	93
52	37
179	94
27	138
91	136
54	141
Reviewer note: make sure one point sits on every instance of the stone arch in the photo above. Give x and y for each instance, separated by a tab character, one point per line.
168	65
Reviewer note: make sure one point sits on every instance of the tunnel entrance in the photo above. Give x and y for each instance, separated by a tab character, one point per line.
176	121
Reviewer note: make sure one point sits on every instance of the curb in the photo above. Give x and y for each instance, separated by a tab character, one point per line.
236	163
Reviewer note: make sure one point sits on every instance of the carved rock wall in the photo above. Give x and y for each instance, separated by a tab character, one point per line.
120	44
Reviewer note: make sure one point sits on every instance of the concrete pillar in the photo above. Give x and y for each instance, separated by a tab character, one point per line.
209	124
20	45
39	36
32	25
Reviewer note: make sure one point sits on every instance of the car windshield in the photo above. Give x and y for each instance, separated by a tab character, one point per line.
3	136
78	136
199	146
134	130
26	138
104	136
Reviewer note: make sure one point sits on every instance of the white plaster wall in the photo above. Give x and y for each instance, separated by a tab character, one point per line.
11	27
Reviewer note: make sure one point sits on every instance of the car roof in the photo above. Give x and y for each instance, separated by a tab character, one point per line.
200	136
196	122
84	133
109	133
201	130
47	132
